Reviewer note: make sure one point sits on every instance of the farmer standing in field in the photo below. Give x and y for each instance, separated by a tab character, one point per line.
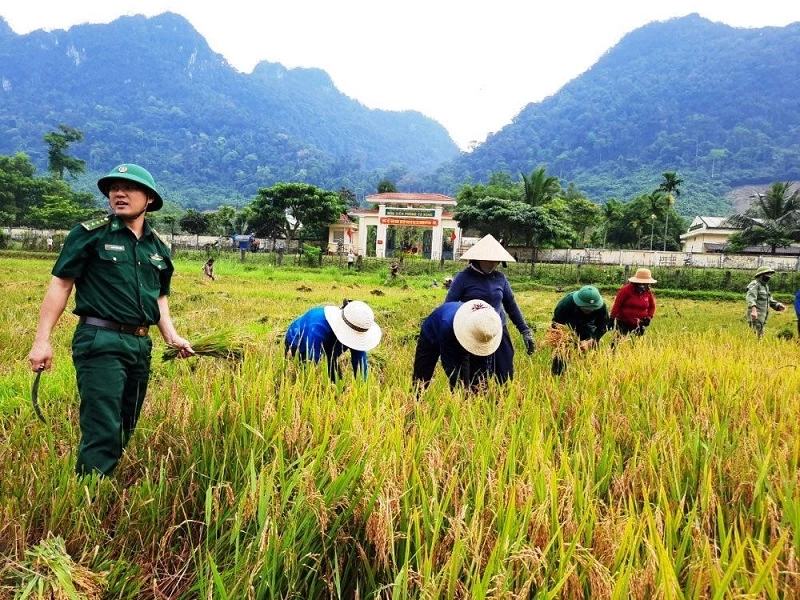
481	281
585	313
121	271
330	330
208	269
462	335
759	300
635	304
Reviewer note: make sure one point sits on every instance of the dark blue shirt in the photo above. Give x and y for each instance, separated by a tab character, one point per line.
493	288
311	335
437	329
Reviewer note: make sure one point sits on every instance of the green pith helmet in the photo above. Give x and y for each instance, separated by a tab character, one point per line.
765	270
133	173
588	297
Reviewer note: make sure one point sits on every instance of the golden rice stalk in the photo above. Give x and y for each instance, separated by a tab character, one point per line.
220	344
561	338
48	571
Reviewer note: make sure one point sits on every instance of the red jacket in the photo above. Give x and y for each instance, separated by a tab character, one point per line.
629	306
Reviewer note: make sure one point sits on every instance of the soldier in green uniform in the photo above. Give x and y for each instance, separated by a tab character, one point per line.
121	271
759	300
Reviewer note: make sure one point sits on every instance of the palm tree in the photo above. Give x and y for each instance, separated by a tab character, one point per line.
773	219
671	188
539	188
611	211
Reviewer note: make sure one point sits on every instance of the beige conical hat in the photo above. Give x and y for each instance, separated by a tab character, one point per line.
354	325
488	248
478	328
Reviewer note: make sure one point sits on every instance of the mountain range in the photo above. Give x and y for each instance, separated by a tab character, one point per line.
716	104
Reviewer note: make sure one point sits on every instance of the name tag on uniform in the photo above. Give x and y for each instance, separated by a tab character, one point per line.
156	257
115	248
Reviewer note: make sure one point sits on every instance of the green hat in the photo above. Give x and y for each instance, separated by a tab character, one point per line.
588	297
765	270
135	173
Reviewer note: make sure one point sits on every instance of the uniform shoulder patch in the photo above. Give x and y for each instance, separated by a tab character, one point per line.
92	224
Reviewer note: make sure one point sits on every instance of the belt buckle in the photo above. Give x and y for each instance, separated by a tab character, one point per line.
141	331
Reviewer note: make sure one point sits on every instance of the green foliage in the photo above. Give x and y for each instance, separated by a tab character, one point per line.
715	103
772	220
386	185
539	188
610	131
194	222
529	214
292	209
311	255
39	201
58	160
636	224
58	212
254	129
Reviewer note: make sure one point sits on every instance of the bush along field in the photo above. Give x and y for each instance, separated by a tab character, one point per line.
664	467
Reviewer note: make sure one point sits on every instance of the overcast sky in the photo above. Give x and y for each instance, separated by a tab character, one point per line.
470	65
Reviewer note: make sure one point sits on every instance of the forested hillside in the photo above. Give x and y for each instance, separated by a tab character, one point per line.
152	91
719	105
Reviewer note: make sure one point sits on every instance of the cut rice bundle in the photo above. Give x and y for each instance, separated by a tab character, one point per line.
561	338
220	344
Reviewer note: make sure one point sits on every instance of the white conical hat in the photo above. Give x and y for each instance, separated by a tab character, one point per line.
488	248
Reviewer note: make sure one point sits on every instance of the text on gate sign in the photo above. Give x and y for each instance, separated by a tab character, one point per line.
410	212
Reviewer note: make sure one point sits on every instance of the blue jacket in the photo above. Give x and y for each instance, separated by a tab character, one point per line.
312	336
437	329
797	303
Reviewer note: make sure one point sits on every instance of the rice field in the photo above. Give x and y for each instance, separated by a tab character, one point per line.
663	468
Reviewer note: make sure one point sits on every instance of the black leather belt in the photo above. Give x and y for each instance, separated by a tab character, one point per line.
138	330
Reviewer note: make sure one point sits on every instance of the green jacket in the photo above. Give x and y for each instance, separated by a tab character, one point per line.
758	295
117	277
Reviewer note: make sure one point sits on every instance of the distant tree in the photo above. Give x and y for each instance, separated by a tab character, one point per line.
610	213
58	159
514	221
348	197
39	201
19	190
716	155
773	219
501	179
539	188
241	220
221	221
582	214
283	209
671	186
502	217
635	224
195	223
385	186
58	211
